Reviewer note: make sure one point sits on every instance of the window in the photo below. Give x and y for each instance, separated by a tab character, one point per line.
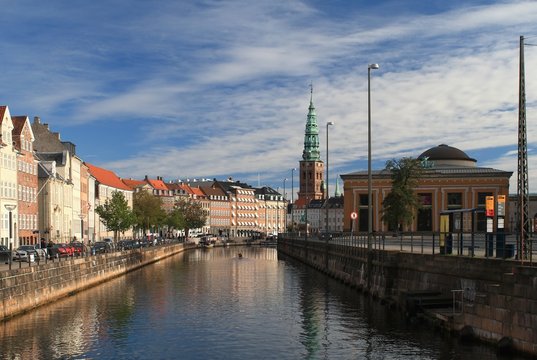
454	201
425	213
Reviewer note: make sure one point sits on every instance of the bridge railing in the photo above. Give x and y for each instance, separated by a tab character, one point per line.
504	246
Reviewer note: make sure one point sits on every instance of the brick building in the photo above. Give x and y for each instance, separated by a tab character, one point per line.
451	180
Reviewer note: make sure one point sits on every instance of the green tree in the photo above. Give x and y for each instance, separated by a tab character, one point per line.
116	214
187	215
147	210
401	204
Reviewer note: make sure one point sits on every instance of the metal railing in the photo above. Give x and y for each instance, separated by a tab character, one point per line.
503	246
9	262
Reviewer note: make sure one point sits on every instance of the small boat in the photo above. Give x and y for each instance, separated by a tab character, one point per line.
206	244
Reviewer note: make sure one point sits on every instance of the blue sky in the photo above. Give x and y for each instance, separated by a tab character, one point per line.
191	89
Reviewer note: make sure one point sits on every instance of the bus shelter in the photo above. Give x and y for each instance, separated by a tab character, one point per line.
456	226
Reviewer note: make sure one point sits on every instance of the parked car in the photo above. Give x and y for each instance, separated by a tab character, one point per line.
128	244
100	247
60	250
145	242
5	254
110	243
78	248
24	252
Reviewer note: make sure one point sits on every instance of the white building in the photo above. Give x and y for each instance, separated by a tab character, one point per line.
8	182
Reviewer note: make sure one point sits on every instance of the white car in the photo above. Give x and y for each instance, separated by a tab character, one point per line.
23	252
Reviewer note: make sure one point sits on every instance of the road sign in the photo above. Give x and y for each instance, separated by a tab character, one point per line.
354	215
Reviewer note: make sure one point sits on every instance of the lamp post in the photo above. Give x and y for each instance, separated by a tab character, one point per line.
10	208
369	175
307	203
327	181
285	206
277	212
81	217
293	198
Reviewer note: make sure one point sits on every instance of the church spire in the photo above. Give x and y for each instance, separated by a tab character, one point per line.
337	193
311	137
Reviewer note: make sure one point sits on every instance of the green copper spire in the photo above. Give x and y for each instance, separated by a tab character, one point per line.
311	136
337	193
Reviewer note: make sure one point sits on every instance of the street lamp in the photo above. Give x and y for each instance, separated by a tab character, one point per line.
285	206
369	175
327	191
277	211
10	208
293	198
81	217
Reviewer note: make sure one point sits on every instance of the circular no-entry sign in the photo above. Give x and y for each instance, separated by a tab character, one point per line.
354	215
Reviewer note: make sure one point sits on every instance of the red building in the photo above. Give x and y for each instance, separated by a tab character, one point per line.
23	138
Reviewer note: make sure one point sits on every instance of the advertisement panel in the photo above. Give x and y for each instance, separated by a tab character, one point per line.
489	206
501	205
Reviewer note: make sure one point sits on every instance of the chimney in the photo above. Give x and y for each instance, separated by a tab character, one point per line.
37	120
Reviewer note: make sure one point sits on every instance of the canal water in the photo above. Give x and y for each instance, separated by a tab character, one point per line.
211	304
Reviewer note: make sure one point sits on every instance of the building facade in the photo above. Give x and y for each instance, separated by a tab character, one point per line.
9	207
451	181
106	183
219	210
27	181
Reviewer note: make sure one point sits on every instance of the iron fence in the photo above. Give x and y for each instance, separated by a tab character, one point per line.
504	246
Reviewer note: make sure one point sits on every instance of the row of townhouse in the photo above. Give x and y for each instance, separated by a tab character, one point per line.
48	192
233	208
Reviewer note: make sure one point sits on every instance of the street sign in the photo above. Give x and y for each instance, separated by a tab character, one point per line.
354	215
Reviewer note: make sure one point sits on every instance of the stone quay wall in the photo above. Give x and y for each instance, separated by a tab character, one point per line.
24	289
495	299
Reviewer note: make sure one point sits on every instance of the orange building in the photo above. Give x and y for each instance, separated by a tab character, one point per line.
451	180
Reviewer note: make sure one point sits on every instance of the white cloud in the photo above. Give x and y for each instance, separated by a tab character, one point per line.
222	88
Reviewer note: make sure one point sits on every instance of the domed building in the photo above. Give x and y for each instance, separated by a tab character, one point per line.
451	181
444	155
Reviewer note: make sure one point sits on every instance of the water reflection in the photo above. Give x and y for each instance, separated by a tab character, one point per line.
211	304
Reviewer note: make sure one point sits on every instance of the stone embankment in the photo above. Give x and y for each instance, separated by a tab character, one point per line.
494	300
29	287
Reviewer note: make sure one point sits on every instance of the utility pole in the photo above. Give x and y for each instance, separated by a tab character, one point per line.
522	174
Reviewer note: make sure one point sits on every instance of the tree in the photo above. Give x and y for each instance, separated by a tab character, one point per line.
400	205
187	215
116	214
147	210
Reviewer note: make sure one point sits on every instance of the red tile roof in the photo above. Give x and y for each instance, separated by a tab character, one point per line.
18	124
133	183
157	184
187	189
18	127
106	177
173	186
197	191
3	110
